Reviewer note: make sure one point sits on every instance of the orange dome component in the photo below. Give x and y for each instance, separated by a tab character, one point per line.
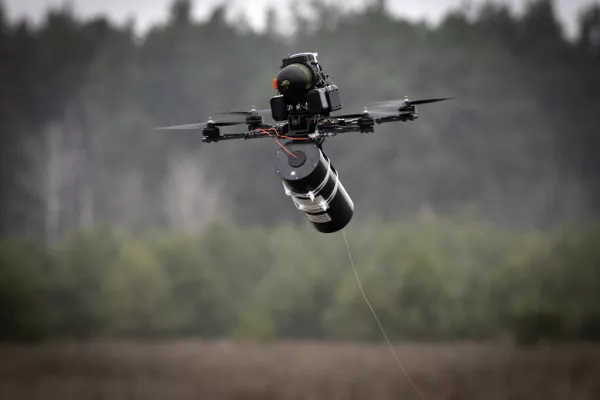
275	83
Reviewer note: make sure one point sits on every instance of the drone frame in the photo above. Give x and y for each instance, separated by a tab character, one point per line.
327	126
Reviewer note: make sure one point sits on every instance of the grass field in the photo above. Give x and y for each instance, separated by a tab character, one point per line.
296	371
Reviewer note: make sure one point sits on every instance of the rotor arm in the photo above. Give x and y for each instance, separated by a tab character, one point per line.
264	131
403	116
364	124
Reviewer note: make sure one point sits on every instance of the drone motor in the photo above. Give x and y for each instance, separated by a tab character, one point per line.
313	184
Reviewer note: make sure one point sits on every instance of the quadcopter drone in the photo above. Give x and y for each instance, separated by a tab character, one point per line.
306	98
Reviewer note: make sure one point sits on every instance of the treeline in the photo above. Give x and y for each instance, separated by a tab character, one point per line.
428	279
80	99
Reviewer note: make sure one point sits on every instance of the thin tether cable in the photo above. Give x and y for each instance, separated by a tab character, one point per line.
376	318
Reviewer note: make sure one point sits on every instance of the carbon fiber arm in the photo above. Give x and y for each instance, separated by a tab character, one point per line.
264	131
365	124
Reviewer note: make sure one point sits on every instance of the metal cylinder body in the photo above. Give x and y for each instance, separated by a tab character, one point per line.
314	186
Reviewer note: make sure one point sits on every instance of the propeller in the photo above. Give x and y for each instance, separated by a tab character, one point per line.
417	102
202	125
364	114
407	103
252	112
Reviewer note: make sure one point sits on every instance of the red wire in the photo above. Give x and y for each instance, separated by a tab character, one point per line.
266	131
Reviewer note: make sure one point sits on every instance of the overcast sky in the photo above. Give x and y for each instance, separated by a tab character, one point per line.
144	12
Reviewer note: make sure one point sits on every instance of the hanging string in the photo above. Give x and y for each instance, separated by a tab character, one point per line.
376	318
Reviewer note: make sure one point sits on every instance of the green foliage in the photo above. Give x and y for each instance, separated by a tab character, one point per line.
78	272
428	279
136	291
558	288
22	264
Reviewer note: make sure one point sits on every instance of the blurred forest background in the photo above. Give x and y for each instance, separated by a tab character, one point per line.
478	221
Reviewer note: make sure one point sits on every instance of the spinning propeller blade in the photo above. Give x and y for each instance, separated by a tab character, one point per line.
201	125
253	111
181	127
407	102
416	102
259	112
366	114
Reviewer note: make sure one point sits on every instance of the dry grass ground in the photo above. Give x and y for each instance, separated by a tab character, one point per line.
296	371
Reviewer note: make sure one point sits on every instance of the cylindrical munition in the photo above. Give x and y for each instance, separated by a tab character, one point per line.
314	186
